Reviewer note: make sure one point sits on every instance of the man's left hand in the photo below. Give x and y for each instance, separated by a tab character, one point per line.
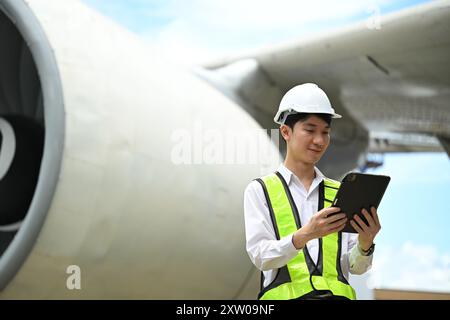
366	233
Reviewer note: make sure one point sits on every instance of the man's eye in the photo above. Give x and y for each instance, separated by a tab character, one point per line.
309	130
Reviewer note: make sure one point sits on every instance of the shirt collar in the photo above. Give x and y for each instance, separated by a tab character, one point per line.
288	174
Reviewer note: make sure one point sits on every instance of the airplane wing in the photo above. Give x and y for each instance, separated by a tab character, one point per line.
390	78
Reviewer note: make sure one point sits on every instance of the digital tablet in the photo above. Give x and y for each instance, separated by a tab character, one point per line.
357	191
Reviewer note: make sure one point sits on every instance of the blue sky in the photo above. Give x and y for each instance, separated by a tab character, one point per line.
420	187
413	248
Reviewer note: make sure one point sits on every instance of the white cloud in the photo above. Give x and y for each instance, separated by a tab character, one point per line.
262	14
411	267
180	45
204	29
200	30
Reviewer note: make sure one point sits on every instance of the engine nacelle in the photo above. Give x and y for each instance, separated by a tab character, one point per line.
90	178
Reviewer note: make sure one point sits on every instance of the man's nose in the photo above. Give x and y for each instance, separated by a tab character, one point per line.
319	140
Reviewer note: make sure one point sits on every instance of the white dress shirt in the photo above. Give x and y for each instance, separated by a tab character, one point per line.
267	253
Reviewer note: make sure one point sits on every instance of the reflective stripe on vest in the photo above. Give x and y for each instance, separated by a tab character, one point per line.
285	218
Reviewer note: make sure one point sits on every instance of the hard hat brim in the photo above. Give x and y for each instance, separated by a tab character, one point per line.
277	116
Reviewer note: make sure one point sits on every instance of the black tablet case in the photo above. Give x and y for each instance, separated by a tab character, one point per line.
357	191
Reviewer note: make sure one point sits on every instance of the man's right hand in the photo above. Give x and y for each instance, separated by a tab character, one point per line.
320	225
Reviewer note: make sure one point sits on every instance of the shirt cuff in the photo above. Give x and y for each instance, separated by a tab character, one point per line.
360	251
359	263
287	246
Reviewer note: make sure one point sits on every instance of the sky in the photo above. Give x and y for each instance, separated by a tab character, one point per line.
201	30
413	247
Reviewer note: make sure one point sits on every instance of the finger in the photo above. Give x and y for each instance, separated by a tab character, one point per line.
337	224
361	223
356	227
375	215
368	218
338	229
330	210
335	217
341	228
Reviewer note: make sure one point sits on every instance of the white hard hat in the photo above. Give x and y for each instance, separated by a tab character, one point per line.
304	98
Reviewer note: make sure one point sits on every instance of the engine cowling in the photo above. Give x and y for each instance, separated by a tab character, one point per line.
95	111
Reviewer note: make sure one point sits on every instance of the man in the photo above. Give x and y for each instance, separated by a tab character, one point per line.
292	234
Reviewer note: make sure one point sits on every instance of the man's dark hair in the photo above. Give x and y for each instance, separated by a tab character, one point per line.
294	118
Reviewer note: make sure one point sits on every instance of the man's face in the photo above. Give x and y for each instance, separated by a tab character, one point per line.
308	141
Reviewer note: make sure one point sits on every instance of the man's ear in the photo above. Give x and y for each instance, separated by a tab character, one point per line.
285	132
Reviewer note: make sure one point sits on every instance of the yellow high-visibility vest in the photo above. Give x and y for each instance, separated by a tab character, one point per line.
301	276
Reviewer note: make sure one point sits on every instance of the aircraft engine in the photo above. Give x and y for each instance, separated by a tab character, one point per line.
113	161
